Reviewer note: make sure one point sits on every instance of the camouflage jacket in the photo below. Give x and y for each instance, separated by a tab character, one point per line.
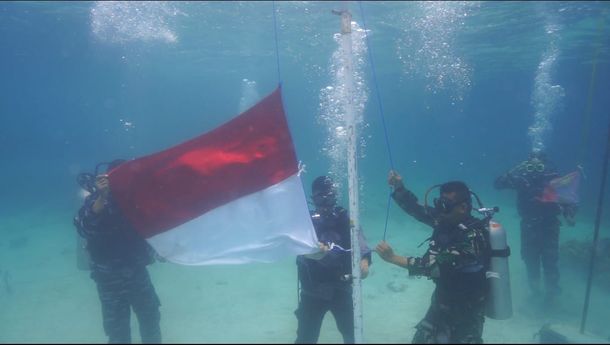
457	257
111	242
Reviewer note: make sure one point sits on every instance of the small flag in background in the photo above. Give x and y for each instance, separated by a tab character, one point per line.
229	196
563	190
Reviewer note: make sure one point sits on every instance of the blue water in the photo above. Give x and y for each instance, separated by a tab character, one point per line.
84	82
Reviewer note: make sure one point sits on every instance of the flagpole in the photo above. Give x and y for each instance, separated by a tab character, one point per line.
352	171
598	217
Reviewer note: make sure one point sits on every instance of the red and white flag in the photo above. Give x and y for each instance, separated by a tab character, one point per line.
229	196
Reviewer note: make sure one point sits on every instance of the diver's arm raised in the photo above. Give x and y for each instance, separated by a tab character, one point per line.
407	200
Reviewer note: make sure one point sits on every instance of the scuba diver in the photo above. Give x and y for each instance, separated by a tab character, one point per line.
539	222
118	260
325	282
457	260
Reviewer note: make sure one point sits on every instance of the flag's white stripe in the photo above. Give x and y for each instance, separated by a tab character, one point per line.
265	226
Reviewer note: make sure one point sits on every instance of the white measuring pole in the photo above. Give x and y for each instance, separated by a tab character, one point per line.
352	169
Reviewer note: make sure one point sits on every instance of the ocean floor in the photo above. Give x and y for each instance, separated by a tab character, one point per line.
44	298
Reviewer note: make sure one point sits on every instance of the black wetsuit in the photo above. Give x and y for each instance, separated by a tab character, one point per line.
323	284
456	260
119	258
539	224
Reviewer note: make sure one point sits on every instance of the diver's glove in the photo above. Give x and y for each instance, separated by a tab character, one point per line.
395	180
569	217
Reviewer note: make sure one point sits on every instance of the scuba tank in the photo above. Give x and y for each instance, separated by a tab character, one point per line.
499	300
83	258
87	182
499	305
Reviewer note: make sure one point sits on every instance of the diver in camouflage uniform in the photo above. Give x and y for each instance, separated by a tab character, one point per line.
118	266
539	222
456	260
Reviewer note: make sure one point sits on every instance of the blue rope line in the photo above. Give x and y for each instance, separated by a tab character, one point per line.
387	214
385	128
277	50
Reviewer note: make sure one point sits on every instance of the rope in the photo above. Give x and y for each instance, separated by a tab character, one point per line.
277	50
387	214
385	128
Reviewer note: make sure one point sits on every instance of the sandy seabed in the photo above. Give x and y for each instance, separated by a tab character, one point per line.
44	298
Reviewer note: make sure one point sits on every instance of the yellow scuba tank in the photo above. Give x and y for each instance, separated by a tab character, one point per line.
499	300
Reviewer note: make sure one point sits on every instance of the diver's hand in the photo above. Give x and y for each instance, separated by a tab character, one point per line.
569	212
364	268
385	252
394	179
103	185
324	249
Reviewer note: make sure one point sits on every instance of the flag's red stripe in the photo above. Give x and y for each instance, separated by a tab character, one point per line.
245	155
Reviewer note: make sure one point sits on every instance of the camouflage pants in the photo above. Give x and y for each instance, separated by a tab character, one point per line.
540	247
456	323
121	290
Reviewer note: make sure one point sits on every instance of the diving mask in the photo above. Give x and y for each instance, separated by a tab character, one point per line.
534	165
445	205
323	199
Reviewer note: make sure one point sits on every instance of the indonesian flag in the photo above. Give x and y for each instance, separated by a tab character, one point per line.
229	196
563	190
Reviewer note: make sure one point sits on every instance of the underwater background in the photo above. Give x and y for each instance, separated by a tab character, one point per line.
467	90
